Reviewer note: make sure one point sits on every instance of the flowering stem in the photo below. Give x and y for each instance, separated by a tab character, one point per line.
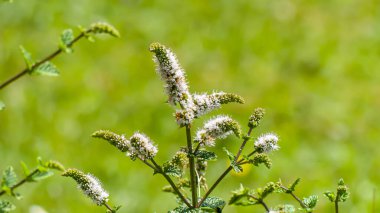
190	155
158	169
21	181
260	201
228	169
336	205
47	58
108	207
294	196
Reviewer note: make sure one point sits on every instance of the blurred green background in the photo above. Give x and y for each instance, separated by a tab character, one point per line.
314	65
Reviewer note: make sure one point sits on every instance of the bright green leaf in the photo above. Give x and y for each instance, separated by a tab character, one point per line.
9	177
66	39
28	58
213	204
25	168
47	68
42	175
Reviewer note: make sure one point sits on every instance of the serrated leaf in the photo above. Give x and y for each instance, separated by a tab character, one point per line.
2	105
25	168
184	209
42	175
213	204
6	206
9	178
229	154
172	170
310	202
28	58
205	155
66	40
330	196
47	69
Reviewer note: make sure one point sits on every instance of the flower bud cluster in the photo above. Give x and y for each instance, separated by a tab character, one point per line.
205	103
89	184
218	127
256	117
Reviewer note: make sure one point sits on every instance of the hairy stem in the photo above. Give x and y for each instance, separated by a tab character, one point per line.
190	155
294	196
47	58
159	170
21	182
261	202
221	177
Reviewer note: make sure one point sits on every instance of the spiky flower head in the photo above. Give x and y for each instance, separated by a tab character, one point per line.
103	27
266	143
205	103
218	127
142	147
172	74
89	184
256	117
119	141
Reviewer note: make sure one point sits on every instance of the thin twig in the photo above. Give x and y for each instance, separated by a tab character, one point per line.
47	58
294	196
172	184
260	201
108	207
21	181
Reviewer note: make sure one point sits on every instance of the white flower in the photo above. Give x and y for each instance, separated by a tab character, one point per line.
94	190
267	143
142	147
218	127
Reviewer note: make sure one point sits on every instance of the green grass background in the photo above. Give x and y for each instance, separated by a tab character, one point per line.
313	65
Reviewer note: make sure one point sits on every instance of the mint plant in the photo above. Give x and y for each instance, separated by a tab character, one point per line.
185	171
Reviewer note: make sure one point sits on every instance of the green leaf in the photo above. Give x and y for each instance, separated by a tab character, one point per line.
25	168
184	209
42	175
28	58
172	170
238	195
66	39
213	204
229	154
6	206
286	208
9	178
2	105
47	68
330	195
294	184
310	202
205	155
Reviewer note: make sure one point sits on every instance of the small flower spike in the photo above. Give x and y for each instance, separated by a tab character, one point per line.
205	103
218	127
142	147
118	141
103	27
266	143
256	117
89	184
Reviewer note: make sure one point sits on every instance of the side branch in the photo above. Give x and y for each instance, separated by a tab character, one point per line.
21	182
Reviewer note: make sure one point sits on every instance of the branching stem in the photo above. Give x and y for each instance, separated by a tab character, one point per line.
158	169
261	202
47	58
294	196
21	182
190	155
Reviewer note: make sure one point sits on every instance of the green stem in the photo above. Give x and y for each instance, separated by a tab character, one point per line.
221	177
21	181
336	205
47	58
108	207
172	184
260	201
190	155
294	196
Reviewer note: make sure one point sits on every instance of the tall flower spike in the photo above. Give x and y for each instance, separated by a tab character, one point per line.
118	141
89	184
218	127
266	143
205	103
142	147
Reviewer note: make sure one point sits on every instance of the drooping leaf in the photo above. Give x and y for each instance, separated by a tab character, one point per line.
213	204
205	155
47	68
66	40
28	58
42	175
6	206
9	178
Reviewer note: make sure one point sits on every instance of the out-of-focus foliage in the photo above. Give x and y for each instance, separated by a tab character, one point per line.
311	64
